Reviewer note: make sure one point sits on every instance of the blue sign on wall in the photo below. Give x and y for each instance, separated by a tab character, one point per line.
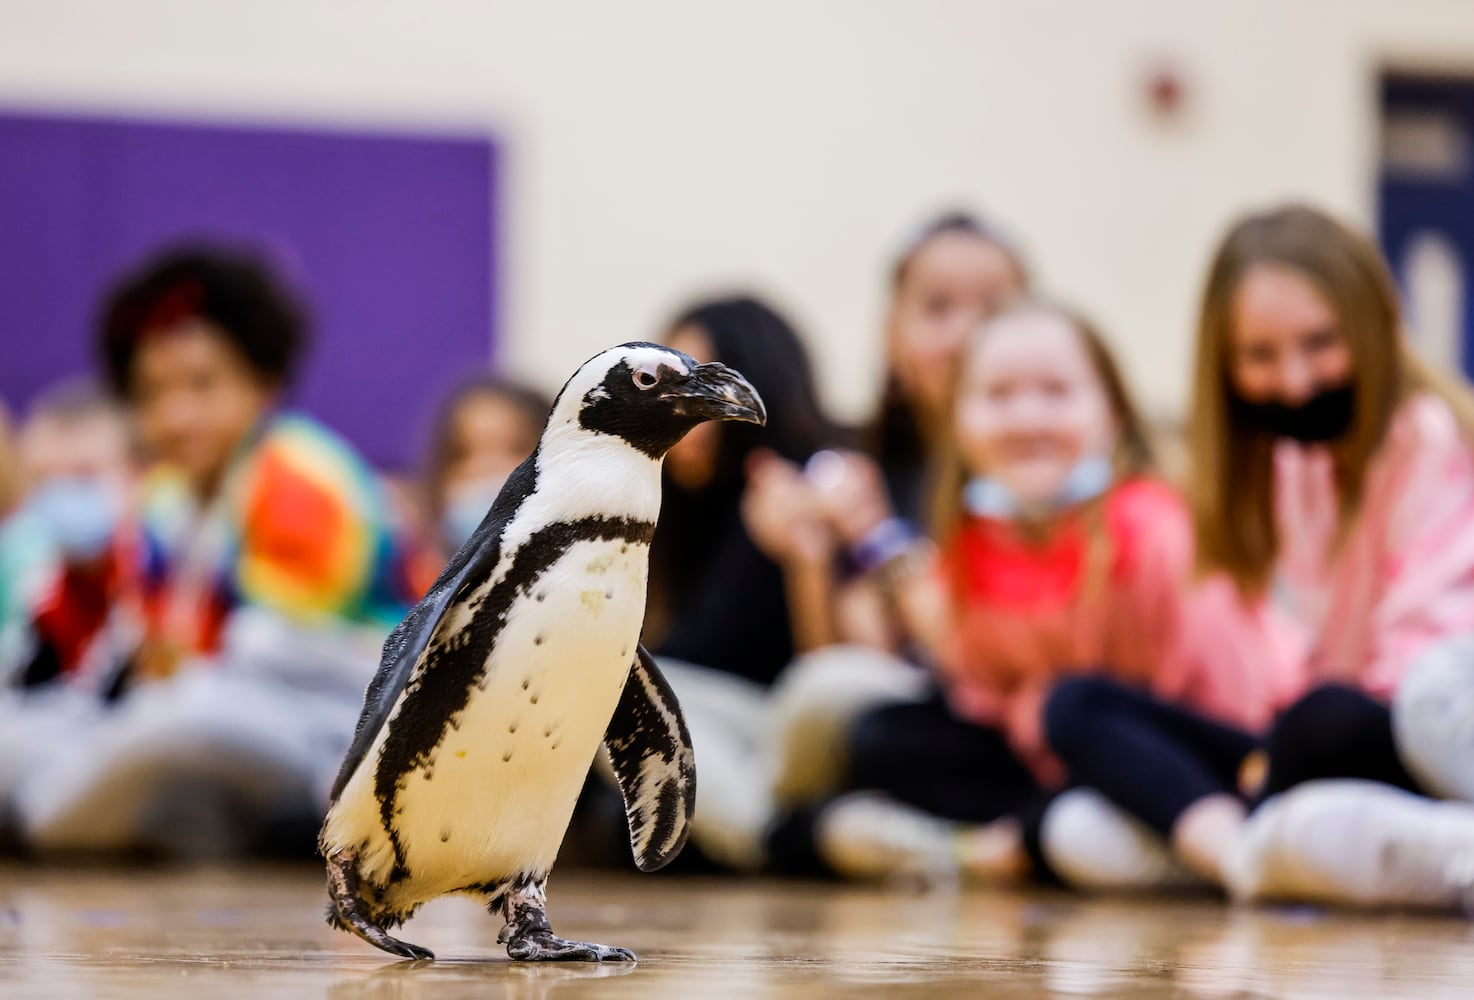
1426	191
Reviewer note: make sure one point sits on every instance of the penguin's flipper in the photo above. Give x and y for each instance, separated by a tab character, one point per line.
650	749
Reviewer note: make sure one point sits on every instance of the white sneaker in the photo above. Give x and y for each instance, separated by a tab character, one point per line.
1356	843
869	836
1094	845
1459	873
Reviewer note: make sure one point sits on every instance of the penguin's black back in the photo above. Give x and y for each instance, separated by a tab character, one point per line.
472	563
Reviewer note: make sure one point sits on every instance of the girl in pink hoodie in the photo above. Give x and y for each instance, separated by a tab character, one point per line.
1332	482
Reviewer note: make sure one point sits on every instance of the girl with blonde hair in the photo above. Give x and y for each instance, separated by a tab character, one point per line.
1056	554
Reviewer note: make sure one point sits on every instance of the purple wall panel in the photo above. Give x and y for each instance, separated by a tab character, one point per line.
391	237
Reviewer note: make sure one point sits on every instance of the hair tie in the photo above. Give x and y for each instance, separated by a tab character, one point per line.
174	306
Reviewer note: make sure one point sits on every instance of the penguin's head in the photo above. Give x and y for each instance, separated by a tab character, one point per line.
650	396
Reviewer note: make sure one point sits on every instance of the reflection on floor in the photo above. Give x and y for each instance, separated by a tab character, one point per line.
258	933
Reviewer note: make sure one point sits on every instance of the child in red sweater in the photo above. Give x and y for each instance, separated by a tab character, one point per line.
1057	555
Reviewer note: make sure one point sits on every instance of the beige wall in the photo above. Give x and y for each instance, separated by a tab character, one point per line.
663	147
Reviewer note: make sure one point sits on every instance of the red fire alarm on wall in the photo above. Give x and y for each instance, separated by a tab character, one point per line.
1164	90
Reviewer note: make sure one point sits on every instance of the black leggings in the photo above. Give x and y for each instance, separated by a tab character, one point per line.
1334	731
1154	759
1150	758
926	757
923	755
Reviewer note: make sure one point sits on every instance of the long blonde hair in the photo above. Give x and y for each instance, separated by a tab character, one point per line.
1133	453
1231	484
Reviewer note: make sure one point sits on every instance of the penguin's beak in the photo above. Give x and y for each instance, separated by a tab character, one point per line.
716	392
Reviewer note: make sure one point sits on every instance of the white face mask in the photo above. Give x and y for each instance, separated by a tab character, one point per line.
466	509
990	498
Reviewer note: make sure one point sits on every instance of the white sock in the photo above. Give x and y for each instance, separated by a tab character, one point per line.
1094	845
1355	842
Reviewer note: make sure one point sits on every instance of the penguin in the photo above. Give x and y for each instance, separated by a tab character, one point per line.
495	693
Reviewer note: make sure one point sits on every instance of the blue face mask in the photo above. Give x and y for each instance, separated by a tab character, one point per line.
987	497
465	512
79	516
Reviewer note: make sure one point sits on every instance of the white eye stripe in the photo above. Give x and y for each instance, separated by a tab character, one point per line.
653	359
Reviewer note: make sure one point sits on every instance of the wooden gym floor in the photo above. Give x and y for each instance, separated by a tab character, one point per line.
257	932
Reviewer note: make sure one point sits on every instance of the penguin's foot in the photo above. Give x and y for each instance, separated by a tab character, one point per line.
545	946
379	939
348	911
529	938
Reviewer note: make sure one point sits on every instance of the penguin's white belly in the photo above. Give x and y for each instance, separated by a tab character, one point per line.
499	795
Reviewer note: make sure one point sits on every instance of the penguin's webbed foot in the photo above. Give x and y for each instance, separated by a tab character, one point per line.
347	912
529	937
394	946
545	946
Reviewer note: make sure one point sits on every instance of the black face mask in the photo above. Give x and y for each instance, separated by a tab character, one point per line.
1326	416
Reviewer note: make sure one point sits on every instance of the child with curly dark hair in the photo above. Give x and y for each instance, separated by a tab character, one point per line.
263	572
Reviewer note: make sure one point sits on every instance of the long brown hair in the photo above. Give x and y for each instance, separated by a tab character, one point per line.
1133	454
1231	485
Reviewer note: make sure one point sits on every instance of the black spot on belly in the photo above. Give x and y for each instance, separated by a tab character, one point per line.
538	641
445	835
526	683
542	596
512	728
623	549
533	699
506	756
608	595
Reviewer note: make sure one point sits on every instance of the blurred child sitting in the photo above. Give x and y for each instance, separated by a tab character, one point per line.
1059	555
953	273
483	430
77	463
62	558
265	574
725	618
74	463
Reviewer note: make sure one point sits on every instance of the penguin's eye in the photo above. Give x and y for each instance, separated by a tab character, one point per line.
646	380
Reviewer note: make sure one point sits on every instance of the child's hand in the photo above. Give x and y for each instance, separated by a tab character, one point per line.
782	513
1024	726
156	659
1024	721
851	493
